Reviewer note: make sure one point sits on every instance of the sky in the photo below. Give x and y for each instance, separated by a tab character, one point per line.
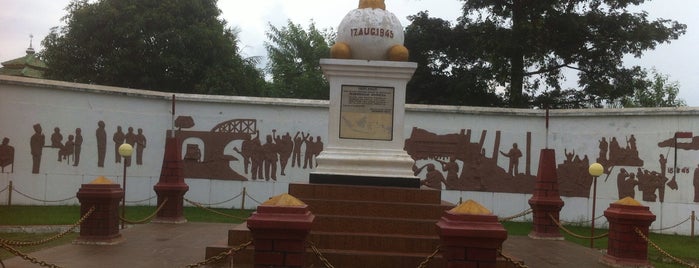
21	18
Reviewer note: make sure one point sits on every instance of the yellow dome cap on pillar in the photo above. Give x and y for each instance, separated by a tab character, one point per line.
284	200
628	201
101	180
470	207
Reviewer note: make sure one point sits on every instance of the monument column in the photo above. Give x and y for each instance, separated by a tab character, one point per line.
366	124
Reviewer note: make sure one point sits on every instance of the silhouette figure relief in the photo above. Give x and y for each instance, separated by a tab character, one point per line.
57	141
78	144
696	184
36	143
433	179
101	136
129	138
261	159
573	176
118	139
612	154
7	155
479	172
140	146
514	154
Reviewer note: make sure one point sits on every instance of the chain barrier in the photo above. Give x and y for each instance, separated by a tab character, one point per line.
214	211
26	257
583	221
221	255
40	200
147	218
4	189
253	199
662	229
521	214
218	203
429	258
140	201
43	241
663	252
519	264
574	234
320	255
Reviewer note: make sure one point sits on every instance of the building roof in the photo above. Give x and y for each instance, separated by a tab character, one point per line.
28	66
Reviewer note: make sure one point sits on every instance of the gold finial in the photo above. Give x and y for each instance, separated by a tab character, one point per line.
372	4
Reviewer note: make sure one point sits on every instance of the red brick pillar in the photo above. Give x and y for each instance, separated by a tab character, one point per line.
625	247
546	199
279	229
171	186
470	236
102	226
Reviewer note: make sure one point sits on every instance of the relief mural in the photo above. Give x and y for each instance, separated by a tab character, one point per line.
260	161
438	155
72	148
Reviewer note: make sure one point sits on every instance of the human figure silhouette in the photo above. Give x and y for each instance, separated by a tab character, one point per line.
296	154
285	147
101	136
514	154
308	156
433	178
77	146
269	149
36	143
452	169
663	164
140	145
603	147
7	155
57	141
68	149
118	139
129	138
317	148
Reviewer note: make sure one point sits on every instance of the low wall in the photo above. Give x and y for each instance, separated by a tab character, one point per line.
486	154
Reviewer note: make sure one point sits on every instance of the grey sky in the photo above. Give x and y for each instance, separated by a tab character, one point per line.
20	18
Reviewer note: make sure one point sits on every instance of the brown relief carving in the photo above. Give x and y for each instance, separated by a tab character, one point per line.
696	184
129	138
118	139
7	155
36	143
140	146
261	160
612	154
573	176
101	136
480	172
77	146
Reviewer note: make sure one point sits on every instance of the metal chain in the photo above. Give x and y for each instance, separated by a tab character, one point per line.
519	264
665	253
26	257
583	221
43	241
40	200
214	211
521	214
320	255
662	229
140	201
574	234
221	255
253	199
429	258
147	218
4	189
218	203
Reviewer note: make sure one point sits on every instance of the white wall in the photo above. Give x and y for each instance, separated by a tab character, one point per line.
25	102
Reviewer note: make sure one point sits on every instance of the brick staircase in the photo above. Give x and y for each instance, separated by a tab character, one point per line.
361	226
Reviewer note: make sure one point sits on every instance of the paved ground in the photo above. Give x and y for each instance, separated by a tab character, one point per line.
177	245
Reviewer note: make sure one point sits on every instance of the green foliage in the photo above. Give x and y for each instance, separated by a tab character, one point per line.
163	45
523	46
294	61
658	92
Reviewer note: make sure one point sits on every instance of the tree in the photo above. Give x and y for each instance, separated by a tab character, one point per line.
294	61
164	45
660	92
525	45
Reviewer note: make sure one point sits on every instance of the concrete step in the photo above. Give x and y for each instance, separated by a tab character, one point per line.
365	193
383	209
377	225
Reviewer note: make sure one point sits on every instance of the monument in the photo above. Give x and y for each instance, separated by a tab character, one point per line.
367	74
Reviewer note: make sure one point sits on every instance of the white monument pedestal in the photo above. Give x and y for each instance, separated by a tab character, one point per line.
366	123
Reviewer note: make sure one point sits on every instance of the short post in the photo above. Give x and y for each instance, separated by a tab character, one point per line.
102	226
125	150
595	171
242	202
9	194
626	248
694	218
279	229
546	202
470	236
